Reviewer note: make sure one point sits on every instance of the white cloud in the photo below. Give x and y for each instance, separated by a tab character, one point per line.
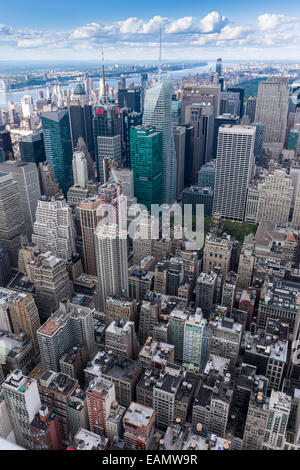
130	26
269	21
133	35
153	25
180	26
213	22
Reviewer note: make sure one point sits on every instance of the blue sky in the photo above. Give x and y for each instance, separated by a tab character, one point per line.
129	30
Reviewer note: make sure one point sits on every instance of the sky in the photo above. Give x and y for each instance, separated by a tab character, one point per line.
128	30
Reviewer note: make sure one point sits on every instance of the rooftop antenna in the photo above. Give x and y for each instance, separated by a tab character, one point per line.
104	97
159	62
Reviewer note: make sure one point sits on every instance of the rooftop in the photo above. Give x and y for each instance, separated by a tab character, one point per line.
138	415
87	440
57	382
12	345
112	365
265	345
100	385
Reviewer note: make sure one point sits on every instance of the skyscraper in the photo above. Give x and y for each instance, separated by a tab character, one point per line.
234	170
88	223
32	148
53	228
272	109
49	185
26	175
277	421
20	314
129	120
27	106
146	155
250	108
130	99
22	400
80	117
111	261
220	120
58	146
12	225
100	395
179	139
107	133
158	113
80	170
219	66
259	138
6	149
241	91
51	282
69	325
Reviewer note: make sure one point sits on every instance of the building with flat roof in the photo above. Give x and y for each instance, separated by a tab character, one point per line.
212	405
56	389
16	351
77	411
100	395
120	338
69	326
217	253
268	353
139	426
226	336
279	299
18	313
22	399
124	373
45	430
88	440
156	354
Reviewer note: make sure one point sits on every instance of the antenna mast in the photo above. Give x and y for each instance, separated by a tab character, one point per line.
103	78
159	63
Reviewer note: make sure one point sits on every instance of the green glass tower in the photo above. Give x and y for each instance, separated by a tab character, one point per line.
58	146
146	155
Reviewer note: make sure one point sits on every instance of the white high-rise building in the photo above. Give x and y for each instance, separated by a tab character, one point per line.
273	201
54	228
277	421
272	109
234	170
111	261
80	170
158	113
26	175
12	225
27	106
22	400
195	344
70	324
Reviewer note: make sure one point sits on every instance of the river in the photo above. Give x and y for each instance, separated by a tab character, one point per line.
16	96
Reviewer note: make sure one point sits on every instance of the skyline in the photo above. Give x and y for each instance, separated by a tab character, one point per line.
271	31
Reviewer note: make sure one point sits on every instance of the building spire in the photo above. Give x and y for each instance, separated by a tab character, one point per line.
159	61
104	97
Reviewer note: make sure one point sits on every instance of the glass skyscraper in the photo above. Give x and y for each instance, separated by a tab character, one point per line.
158	113
206	175
32	148
146	163
58	146
106	127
